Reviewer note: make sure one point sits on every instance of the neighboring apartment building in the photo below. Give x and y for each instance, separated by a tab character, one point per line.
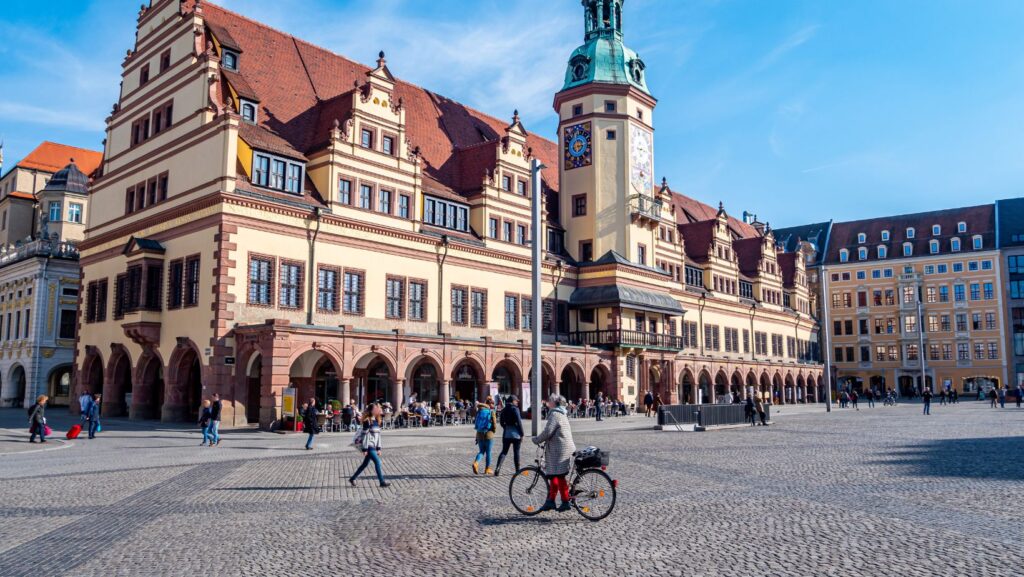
42	213
1010	237
915	294
270	214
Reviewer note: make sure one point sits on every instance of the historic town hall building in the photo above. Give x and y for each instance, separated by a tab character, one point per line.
270	214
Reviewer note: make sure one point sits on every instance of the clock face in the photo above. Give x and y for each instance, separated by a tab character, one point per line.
641	156
577	144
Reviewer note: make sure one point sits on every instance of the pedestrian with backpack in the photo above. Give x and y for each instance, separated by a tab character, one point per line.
485	424
511	432
367	440
94	416
37	420
205	412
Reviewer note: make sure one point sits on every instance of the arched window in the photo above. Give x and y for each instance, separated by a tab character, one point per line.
862	238
954	244
961	227
936	230
882	252
977	242
911	232
908	249
844	255
885	236
862	253
933	247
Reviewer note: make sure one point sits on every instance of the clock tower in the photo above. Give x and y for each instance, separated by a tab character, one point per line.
605	133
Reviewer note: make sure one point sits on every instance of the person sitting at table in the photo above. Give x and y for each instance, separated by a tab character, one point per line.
424	414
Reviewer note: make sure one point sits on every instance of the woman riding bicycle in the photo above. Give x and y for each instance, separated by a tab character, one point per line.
558	450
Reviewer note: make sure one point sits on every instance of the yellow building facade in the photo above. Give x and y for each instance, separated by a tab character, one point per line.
269	215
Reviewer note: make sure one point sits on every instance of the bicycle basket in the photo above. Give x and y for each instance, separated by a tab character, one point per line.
591	458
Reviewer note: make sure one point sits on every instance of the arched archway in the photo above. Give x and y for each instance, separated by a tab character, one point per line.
425	382
599	382
707	393
58	386
721	386
800	389
736	386
571	386
764	388
149	392
117	386
687	387
776	388
467	380
506	376
253	388
314	374
790	392
184	385
375	381
812	390
91	380
16	386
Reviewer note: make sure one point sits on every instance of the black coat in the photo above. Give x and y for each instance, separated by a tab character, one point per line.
511	420
215	411
309	421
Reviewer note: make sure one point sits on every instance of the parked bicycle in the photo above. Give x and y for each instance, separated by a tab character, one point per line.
592	491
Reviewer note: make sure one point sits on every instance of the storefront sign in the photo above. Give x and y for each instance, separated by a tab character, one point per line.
524	403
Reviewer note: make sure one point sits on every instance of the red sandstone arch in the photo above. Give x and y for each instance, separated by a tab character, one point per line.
117	381
148	387
184	383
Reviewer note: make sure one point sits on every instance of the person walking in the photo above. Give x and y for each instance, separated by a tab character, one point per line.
759	407
369	442
309	422
1020	395
215	408
648	402
926	397
83	402
599	406
37	419
1002	397
853	400
871	398
749	412
954	397
992	396
558	450
205	412
657	404
94	416
511	421
485	423
942	397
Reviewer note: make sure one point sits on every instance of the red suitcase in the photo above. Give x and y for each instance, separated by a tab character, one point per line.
74	431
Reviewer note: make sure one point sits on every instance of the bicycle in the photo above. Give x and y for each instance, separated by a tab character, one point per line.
890	401
591	491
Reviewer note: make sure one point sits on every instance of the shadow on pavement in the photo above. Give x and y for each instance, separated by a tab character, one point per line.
979	458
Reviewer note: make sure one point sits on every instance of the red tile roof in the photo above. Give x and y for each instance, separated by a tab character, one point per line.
299	85
748	254
979	220
51	157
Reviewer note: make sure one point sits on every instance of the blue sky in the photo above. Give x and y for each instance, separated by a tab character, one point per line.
797	110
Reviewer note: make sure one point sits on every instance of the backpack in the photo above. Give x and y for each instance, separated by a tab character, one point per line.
483	421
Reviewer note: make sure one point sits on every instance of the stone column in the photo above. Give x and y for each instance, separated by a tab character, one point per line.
446	391
346	391
397	386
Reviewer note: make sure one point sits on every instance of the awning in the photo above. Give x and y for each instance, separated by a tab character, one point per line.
626	296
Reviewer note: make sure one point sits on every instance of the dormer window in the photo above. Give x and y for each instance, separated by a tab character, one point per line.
844	255
862	253
936	230
277	173
961	227
229	60
882	252
911	232
908	249
954	244
933	247
248	111
862	238
977	242
885	236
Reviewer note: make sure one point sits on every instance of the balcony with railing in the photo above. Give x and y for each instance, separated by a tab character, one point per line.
612	338
646	208
41	247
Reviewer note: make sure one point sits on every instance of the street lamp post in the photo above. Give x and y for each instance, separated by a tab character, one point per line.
537	197
442	255
823	331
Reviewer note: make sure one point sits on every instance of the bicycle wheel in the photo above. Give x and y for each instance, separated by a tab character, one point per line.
593	494
528	490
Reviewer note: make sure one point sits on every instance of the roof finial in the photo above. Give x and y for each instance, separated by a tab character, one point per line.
664	182
381	61
515	116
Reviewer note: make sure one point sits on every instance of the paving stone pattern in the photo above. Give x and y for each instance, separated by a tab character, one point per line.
878	492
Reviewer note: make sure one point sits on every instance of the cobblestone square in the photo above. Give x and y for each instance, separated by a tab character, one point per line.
884	491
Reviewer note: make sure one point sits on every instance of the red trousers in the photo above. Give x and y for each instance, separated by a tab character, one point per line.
557	485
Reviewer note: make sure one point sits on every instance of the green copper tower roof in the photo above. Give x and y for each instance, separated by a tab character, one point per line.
603	57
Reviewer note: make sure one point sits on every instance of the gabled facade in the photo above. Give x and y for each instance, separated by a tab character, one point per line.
270	214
